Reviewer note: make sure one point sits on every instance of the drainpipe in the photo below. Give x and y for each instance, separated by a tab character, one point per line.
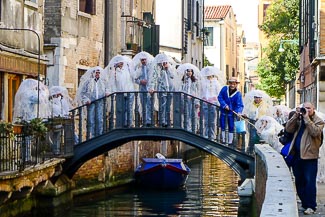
106	32
203	38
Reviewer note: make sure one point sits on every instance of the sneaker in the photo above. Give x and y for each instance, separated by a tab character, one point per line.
309	211
301	209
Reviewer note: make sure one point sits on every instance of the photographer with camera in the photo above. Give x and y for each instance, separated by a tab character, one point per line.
307	128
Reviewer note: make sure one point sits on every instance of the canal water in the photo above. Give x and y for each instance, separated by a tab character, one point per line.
211	190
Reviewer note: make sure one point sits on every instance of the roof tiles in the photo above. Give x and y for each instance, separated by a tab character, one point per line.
216	11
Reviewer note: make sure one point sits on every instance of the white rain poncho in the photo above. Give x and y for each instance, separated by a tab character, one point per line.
211	84
142	71
255	111
268	129
136	60
211	70
59	101
281	113
27	98
161	79
120	79
190	84
91	88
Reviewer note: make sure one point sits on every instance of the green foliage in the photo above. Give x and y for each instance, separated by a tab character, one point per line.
7	128
36	127
276	69
206	62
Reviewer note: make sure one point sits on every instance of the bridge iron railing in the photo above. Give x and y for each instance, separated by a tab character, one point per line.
25	149
174	110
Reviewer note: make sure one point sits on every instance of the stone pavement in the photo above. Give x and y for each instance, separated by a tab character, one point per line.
320	212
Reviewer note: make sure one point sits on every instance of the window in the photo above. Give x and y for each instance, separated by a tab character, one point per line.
87	6
81	72
265	6
209	36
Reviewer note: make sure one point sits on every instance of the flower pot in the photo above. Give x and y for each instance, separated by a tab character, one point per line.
18	129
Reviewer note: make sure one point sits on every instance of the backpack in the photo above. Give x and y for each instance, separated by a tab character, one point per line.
285	137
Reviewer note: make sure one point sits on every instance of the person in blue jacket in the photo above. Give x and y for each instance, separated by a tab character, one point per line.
231	101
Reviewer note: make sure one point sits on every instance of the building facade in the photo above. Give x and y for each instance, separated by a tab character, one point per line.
181	24
21	48
311	75
221	43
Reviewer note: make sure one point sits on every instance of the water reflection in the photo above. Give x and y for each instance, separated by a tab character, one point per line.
211	190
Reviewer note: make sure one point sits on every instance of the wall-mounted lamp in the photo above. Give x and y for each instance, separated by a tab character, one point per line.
294	41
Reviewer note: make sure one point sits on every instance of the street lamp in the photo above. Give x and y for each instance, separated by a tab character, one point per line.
294	41
38	57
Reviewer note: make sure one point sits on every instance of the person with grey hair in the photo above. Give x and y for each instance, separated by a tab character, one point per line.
307	130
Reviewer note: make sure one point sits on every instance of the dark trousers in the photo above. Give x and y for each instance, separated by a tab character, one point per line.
305	172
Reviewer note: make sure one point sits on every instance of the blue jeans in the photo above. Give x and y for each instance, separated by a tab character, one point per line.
305	172
96	123
231	120
164	108
145	100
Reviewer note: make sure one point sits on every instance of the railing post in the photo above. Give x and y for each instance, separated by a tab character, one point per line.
120	110
177	109
80	125
104	115
136	110
112	113
88	121
201	118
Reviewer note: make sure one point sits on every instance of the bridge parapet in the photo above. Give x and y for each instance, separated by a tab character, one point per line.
274	188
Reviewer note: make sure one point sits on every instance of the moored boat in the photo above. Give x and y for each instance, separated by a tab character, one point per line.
162	173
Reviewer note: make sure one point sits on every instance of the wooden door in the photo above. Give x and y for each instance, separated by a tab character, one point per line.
13	85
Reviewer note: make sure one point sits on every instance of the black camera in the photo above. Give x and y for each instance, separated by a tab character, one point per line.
303	110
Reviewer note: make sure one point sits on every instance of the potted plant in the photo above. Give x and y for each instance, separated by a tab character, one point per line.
36	127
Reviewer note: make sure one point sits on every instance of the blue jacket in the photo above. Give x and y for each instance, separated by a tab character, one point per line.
234	101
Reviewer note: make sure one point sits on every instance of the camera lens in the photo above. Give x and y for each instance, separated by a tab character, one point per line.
303	111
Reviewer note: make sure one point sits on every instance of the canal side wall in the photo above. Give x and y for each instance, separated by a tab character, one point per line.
116	167
274	188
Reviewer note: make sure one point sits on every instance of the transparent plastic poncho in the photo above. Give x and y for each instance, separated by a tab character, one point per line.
162	79
255	111
31	102
268	129
120	79
60	102
91	88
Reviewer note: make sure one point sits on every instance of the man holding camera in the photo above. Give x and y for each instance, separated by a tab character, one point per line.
307	128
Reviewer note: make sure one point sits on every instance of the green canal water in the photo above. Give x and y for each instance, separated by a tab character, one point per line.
211	190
